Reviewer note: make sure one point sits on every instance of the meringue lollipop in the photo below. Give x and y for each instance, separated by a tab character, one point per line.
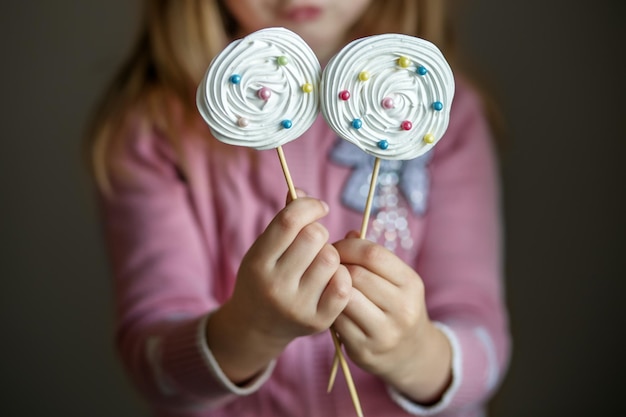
388	94
391	96
262	91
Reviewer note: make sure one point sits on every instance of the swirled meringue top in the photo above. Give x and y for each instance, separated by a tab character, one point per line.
388	94
261	91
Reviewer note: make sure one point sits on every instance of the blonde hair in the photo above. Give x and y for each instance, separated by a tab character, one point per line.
177	40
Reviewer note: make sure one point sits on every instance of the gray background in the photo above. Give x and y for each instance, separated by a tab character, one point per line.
553	64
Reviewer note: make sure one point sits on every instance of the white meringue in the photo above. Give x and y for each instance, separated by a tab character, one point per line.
388	94
262	91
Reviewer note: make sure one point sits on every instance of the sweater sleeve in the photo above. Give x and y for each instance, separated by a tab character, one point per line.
163	278
461	260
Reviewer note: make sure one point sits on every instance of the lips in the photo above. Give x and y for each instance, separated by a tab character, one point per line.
302	14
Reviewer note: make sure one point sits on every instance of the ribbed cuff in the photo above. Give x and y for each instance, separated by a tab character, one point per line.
412	407
190	364
475	373
479	367
253	385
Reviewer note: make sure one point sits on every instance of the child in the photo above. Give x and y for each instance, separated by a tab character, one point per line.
225	293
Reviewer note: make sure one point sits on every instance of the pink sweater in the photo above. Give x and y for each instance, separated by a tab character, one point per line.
176	244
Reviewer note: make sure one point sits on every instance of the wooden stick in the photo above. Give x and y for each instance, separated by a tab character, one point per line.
338	352
333	371
362	235
370	198
346	373
283	164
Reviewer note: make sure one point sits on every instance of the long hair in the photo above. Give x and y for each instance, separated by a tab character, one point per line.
175	44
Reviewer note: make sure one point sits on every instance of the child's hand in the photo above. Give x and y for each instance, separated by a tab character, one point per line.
290	284
385	326
291	281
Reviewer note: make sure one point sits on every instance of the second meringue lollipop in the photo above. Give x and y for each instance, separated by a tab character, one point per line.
262	91
388	94
391	96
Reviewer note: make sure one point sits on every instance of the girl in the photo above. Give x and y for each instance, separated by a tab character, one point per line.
224	293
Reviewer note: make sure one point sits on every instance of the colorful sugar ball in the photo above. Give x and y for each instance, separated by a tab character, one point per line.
286	124
404	62
282	60
364	76
383	144
388	103
264	93
421	70
438	105
429	138
407	125
307	88
235	79
344	95
243	122
357	123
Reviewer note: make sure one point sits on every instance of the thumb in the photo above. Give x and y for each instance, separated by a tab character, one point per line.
352	234
299	193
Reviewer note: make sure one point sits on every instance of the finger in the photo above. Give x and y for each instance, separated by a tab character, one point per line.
335	294
350	333
320	271
353	234
286	225
353	323
304	249
374	258
381	292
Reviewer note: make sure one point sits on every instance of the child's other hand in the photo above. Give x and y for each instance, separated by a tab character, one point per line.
291	282
385	326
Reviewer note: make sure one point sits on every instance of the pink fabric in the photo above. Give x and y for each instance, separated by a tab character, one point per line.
175	246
